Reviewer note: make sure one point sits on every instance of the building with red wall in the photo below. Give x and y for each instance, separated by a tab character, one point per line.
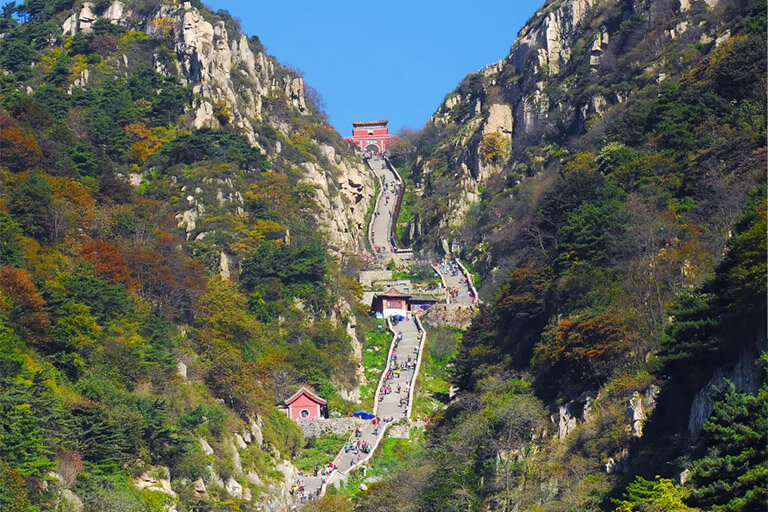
393	302
304	405
370	136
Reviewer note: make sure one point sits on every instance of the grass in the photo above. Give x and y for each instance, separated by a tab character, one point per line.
391	456
374	359
432	386
369	213
319	450
405	216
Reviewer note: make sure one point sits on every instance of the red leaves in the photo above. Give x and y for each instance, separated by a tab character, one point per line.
18	151
25	303
108	261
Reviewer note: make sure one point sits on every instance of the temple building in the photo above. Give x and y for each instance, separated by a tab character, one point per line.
372	136
305	405
395	303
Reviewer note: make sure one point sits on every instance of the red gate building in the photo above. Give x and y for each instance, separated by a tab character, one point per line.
370	136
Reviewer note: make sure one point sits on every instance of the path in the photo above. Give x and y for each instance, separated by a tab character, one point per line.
380	229
406	337
391	405
405	349
456	279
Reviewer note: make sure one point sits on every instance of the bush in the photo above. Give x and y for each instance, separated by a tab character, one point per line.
221	146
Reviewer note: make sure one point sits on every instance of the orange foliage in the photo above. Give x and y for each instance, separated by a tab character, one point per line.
164	26
24	299
108	261
165	274
586	348
275	189
18	151
146	144
75	194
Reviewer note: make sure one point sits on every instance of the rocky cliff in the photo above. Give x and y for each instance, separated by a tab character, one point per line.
160	148
235	84
568	72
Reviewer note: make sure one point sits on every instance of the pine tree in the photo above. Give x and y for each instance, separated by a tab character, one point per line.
30	204
660	495
733	476
11	252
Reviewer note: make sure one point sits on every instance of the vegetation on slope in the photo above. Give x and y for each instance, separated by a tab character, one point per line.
621	256
103	298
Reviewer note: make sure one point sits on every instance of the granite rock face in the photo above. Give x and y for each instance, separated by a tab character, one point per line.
228	72
533	93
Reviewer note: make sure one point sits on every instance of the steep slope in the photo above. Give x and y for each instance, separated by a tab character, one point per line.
568	77
609	178
179	231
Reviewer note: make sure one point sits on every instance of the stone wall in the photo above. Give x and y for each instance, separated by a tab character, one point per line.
368	277
313	428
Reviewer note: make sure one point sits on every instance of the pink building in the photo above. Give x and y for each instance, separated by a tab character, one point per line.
370	136
393	302
305	405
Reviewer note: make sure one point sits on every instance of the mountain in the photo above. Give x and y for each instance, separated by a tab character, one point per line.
182	233
180	228
606	184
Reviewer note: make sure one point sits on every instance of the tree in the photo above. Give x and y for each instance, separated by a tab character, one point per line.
108	261
13	491
224	146
733	475
691	342
30	204
494	147
592	233
19	151
302	264
11	252
22	445
659	495
26	311
582	352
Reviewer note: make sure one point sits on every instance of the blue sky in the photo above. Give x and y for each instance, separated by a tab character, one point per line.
393	60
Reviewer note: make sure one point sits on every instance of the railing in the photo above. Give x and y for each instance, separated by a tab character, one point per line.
412	387
448	298
383	377
469	279
375	206
396	242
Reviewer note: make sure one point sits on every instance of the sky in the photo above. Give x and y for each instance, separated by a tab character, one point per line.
392	60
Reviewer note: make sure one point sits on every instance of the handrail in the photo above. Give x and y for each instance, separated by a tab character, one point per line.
375	206
469	279
412	387
448	298
383	379
398	206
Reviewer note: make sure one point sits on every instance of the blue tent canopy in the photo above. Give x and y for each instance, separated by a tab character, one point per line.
364	415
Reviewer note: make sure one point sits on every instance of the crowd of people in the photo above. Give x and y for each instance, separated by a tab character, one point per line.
452	269
390	191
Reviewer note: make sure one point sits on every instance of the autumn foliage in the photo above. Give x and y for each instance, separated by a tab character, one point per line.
22	300
18	150
108	261
582	352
